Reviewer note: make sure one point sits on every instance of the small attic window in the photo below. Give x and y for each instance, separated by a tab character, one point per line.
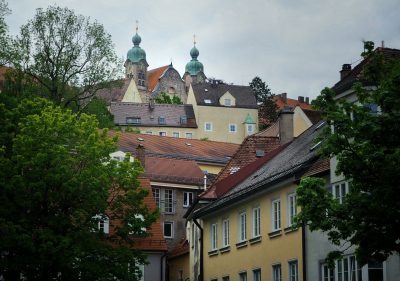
161	120
183	119
207	101
260	152
133	120
227	102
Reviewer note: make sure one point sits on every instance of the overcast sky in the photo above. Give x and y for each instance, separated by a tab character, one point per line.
296	46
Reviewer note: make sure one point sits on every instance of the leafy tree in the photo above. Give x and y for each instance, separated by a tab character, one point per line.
57	182
98	107
5	40
69	56
365	141
267	108
164	98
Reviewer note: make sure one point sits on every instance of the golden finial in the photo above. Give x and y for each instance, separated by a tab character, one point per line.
194	39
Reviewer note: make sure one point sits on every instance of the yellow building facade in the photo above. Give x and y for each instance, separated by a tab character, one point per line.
248	241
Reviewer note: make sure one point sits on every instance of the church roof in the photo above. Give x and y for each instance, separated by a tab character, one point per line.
208	94
153	76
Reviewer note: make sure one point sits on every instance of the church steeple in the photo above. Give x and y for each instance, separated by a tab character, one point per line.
194	70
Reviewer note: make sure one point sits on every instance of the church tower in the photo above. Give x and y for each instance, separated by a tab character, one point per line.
194	70
136	64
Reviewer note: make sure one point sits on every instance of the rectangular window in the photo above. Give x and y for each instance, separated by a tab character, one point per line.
242	227
162	134
257	274
187	198
276	272
293	273
276	215
214	236
189	135
327	273
208	127
183	119
250	128
169	201
243	276
256	222
225	278
227	102
339	191
168	229
157	197
225	233
149	133
292	209
175	134
346	269
133	120
232	128
161	120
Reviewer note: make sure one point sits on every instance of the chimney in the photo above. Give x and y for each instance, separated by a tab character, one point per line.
307	100
151	103
346	68
140	154
284	97
286	125
300	99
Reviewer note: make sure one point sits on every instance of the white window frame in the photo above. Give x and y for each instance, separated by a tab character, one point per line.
188	197
339	191
257	274
227	102
175	134
189	136
225	233
347	268
157	197
276	272
243	276
229	128
242	227
250	128
171	223
206	124
256	222
293	270
292	208
214	236
169	201
276	215
162	134
103	224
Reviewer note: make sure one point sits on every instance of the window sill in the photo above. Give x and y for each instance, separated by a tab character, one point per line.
255	240
275	233
290	229
241	244
213	253
225	249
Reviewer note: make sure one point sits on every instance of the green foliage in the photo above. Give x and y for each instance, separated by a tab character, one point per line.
164	98
132	130
70	57
98	107
5	40
56	177
367	147
267	108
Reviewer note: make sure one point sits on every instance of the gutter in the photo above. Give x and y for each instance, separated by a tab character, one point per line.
201	249
304	251
162	275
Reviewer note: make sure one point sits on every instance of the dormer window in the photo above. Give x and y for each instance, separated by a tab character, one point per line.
183	119
207	101
133	120
161	120
227	102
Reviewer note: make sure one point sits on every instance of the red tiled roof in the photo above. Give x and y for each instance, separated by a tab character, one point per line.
221	187
173	170
246	153
153	76
192	149
281	103
182	248
156	240
320	166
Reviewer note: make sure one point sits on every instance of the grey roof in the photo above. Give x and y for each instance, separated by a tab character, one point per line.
209	91
292	161
150	116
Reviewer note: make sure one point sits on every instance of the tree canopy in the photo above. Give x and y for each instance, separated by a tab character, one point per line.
67	54
5	39
57	183
164	98
364	138
267	108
